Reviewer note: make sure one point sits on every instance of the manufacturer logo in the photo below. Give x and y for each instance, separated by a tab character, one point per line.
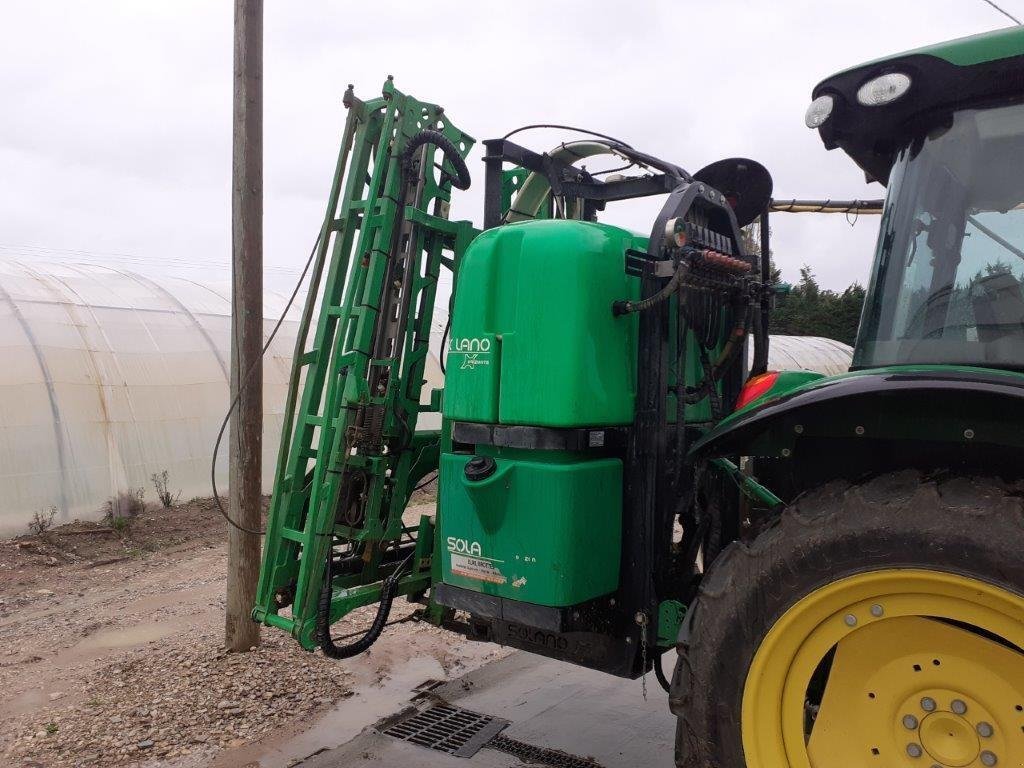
474	351
464	546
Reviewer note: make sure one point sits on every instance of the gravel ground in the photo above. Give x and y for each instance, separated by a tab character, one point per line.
186	697
110	653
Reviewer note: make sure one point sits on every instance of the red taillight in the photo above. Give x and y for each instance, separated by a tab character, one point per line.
755	387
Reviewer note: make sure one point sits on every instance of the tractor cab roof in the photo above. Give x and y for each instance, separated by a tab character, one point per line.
873	110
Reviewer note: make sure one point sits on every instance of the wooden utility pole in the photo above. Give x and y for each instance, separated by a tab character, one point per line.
246	444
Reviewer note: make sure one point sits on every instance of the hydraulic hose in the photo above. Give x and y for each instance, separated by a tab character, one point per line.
659	673
323	614
461	180
625	307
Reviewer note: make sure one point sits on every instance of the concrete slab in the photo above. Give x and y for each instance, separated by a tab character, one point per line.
551	705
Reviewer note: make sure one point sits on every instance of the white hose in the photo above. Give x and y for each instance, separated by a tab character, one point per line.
535	191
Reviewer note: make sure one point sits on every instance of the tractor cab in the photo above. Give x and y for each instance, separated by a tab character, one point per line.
943	128
942	328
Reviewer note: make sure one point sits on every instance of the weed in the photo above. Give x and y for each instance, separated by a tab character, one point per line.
120	524
51	728
42	520
163	493
122	509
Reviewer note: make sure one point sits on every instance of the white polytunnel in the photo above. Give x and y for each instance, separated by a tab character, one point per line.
806	353
110	376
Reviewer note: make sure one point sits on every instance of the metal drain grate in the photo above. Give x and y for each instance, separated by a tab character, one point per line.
454	730
529	753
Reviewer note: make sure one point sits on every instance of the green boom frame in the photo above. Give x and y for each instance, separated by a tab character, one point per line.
350	455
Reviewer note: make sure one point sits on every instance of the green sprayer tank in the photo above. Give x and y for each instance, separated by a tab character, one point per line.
534	344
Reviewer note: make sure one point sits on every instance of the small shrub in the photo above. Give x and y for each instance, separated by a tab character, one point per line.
120	524
42	521
163	493
124	508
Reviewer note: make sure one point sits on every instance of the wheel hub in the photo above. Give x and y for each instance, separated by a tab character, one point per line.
948	726
909	669
950	739
944	705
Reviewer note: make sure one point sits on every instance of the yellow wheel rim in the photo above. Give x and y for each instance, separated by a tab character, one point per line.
926	672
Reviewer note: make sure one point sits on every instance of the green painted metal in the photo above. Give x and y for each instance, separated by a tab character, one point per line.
544	528
963	51
349	454
670	617
909	419
533	339
748	486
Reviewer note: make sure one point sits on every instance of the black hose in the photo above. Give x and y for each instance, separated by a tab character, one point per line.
444	341
660	673
323	614
461	179
625	307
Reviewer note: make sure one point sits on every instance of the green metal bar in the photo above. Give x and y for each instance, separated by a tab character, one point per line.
748	485
354	427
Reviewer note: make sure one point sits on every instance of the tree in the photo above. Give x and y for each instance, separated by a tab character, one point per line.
810	310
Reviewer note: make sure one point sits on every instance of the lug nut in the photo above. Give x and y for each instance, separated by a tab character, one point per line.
910	722
958	707
851	620
928	704
914	750
985	730
988	758
876	610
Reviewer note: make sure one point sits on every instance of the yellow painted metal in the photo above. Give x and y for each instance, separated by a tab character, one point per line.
893	652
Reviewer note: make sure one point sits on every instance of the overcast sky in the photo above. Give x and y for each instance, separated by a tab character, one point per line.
115	135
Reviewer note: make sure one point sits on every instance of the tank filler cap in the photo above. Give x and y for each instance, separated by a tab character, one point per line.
480	468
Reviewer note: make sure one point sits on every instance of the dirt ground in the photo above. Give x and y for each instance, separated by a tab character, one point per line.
110	652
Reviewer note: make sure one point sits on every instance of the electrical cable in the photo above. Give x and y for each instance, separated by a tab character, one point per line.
244	382
1008	15
425	483
595	174
565	128
411	617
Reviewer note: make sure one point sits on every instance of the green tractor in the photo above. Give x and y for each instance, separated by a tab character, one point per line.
835	560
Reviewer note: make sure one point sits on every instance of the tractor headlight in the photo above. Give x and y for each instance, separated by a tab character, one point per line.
819	110
883	89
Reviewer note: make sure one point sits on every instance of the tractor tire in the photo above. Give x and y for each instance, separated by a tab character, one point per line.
865	578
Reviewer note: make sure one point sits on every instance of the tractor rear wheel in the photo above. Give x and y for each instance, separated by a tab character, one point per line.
872	626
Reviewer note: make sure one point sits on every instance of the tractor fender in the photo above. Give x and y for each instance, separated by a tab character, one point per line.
933	403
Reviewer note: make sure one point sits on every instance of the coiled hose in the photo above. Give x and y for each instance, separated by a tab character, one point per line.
461	180
330	648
